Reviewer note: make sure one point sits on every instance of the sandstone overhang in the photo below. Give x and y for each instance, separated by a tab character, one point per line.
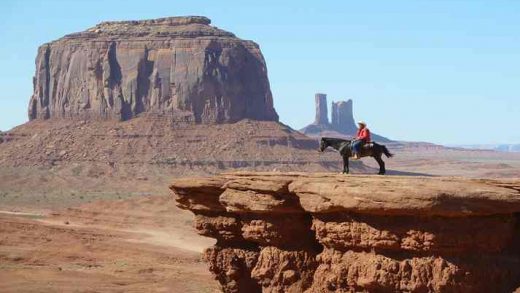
301	232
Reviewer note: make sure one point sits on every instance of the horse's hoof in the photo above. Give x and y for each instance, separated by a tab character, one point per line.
380	173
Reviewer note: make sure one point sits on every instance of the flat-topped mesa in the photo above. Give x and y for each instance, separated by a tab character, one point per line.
300	232
179	67
174	20
169	27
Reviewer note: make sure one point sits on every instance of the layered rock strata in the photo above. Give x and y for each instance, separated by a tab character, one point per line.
296	232
148	145
181	67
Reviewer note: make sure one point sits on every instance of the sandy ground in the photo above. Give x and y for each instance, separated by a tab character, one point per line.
453	162
100	233
143	244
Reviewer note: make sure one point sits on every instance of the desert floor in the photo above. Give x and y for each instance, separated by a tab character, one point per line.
141	244
65	234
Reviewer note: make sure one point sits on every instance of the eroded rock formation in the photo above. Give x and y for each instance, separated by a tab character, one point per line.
321	120
295	232
178	66
342	124
322	116
343	117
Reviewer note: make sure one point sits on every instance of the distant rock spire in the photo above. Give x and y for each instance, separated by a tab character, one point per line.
343	117
342	125
322	117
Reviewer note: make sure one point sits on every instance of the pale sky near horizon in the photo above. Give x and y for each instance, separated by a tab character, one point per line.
441	71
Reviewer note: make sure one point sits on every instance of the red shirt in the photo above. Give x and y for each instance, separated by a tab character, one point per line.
363	134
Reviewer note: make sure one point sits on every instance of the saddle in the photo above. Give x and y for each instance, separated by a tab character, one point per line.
364	148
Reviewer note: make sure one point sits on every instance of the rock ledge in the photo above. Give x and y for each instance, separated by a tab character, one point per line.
299	232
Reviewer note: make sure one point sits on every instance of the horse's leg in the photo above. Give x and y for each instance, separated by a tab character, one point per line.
382	169
345	164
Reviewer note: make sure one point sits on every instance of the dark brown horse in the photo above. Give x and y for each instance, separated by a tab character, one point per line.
344	148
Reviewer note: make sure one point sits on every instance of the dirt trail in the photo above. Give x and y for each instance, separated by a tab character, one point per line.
114	246
193	243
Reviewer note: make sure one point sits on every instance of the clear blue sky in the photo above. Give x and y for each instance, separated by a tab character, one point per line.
440	71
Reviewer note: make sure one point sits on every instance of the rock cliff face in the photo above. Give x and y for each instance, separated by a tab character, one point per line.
295	232
178	66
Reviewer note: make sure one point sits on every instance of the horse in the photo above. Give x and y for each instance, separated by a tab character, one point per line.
343	146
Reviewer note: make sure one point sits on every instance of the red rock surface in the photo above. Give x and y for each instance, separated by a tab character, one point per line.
301	232
178	66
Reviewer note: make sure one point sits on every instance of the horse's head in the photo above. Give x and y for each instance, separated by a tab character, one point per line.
323	144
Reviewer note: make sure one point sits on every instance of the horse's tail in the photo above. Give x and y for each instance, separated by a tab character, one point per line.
387	153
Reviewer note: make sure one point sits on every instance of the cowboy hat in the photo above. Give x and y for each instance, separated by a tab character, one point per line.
362	122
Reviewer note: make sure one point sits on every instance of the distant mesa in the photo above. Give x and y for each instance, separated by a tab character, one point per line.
342	124
179	67
508	148
513	148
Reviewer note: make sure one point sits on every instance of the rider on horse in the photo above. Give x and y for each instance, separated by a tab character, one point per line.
362	138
